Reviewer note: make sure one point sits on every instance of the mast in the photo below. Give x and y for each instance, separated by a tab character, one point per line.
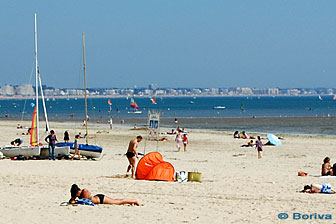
86	114
36	82
43	103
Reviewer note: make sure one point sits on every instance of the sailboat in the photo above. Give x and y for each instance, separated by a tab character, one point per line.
320	98
35	148
89	151
134	107
153	100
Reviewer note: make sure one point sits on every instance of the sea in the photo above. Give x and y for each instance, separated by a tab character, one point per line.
305	115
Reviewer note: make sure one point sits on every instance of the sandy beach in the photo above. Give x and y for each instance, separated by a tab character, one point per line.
236	187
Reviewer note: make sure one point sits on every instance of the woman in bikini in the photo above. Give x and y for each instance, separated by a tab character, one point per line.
326	167
76	192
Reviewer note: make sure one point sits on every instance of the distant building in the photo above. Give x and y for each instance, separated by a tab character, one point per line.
7	90
25	90
152	86
273	91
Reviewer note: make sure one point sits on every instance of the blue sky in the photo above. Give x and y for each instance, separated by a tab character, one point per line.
171	43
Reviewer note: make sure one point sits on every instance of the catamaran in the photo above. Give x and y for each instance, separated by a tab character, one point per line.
89	151
35	148
135	107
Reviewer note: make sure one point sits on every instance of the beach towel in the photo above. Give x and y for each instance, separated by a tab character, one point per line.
84	201
326	188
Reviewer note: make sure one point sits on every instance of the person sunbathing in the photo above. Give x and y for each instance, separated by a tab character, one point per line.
249	144
326	167
76	192
318	188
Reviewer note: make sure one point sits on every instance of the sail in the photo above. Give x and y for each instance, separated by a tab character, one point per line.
133	104
153	100
109	102
33	130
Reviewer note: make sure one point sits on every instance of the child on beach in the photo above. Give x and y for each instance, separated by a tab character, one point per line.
326	167
185	141
178	140
76	148
259	146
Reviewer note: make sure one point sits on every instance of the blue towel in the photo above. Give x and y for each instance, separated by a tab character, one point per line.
326	188
84	201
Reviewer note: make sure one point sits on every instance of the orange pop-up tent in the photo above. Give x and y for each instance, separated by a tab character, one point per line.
152	167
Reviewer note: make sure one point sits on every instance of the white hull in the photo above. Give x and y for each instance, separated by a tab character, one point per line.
27	151
59	151
88	154
134	112
219	108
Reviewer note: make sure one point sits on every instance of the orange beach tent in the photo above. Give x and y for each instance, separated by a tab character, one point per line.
152	167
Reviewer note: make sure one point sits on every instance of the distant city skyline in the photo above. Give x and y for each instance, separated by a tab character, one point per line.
174	44
28	90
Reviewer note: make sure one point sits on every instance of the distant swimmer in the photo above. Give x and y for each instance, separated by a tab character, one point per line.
132	154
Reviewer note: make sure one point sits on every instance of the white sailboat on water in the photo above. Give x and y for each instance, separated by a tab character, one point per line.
35	148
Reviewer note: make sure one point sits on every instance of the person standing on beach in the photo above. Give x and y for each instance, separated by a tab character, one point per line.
51	140
132	154
185	142
178	139
76	148
66	136
111	123
259	146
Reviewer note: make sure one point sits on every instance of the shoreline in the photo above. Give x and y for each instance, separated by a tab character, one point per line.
280	126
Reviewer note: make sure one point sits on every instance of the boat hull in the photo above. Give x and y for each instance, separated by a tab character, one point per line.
89	151
59	151
134	112
27	151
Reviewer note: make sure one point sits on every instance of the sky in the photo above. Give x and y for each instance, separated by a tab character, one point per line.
175	43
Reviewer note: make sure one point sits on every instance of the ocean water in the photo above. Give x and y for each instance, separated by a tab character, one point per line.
307	115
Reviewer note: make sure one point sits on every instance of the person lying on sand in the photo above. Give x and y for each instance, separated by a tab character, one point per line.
243	135
17	142
249	144
318	188
76	192
326	167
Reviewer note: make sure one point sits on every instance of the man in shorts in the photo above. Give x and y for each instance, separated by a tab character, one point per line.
132	154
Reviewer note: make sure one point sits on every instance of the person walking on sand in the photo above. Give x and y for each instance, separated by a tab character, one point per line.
259	146
132	154
178	139
185	142
51	140
76	148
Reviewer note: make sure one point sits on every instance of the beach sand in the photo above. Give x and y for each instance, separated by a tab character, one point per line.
236	187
